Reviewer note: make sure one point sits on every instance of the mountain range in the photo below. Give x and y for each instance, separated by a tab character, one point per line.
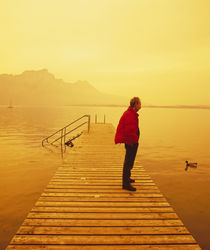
42	88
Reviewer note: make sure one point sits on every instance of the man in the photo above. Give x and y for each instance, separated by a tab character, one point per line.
128	133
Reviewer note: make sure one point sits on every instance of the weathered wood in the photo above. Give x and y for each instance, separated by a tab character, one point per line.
96	174
85	207
109	247
101	239
102	170
101	204
98	198
85	177
101	230
83	170
123	216
103	209
89	183
91	180
104	187
96	195
147	190
101	222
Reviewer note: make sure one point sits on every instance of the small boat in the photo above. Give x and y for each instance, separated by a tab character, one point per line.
10	105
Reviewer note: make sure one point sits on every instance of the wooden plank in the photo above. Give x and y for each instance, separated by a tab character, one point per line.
105	187
101	222
73	190
100	173
89	183
99	239
93	168
117	215
104	179
102	199
84	177
105	195
69	170
101	230
85	170
109	247
100	181
101	204
97	168
98	198
103	209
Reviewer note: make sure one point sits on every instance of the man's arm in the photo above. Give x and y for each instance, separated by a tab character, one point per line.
130	130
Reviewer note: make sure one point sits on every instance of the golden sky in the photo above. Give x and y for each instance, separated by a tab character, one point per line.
156	49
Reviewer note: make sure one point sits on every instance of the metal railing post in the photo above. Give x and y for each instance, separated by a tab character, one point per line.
64	138
61	136
88	123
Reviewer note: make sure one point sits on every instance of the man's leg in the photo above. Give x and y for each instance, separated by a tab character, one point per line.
128	163
134	151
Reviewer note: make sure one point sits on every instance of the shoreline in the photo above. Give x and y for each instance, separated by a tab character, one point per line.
204	107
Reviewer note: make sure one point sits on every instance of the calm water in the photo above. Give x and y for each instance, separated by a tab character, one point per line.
168	138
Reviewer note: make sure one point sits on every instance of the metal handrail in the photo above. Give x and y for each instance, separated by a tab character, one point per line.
69	132
63	130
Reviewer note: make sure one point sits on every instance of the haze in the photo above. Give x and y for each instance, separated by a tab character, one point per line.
156	49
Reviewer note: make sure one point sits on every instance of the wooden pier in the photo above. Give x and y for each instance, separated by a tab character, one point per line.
85	207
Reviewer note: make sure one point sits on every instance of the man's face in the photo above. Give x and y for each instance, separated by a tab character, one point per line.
137	106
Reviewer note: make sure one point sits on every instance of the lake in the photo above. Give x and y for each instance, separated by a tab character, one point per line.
169	137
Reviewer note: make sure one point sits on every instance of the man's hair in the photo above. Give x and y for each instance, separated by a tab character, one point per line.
134	101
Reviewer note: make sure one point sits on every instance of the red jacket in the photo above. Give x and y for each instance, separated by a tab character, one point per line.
128	128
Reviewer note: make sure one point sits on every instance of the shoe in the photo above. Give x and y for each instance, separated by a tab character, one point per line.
132	180
129	187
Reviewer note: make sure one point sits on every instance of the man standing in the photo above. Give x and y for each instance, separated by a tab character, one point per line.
128	133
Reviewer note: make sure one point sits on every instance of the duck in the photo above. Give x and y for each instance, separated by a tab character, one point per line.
191	164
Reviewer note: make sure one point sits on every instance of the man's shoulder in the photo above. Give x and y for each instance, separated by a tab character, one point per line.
128	112
127	115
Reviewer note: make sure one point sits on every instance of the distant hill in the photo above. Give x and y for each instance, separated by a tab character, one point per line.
42	88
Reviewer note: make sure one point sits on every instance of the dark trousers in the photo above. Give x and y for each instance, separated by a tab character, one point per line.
130	156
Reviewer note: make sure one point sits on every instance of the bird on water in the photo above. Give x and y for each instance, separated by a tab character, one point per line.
191	164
